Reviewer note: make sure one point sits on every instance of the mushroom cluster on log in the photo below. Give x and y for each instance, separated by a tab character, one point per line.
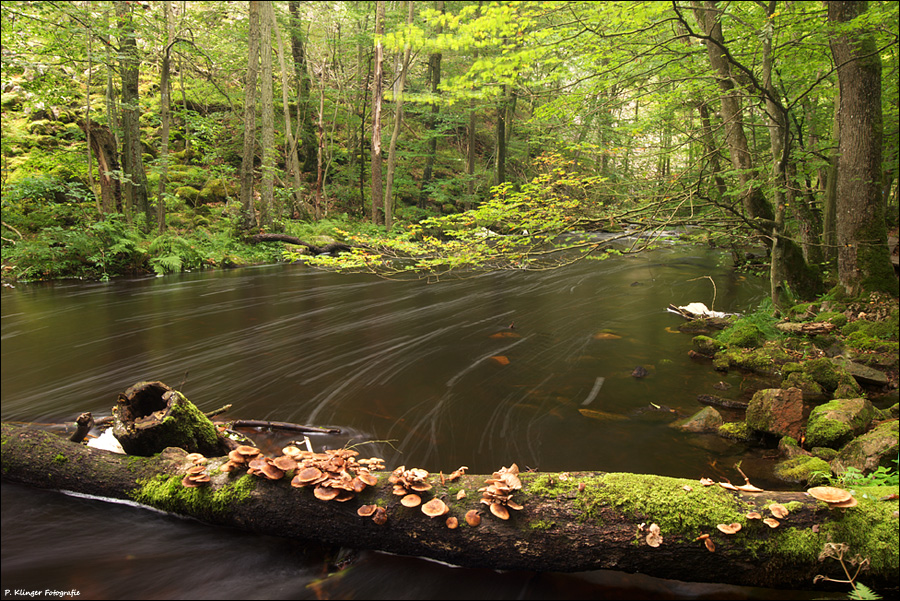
569	522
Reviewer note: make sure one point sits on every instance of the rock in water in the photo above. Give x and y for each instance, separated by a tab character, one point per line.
639	372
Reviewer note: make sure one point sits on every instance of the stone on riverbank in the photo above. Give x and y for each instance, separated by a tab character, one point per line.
836	422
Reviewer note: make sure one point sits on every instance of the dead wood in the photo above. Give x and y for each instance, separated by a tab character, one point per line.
569	521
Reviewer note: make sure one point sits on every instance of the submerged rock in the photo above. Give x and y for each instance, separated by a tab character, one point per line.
705	420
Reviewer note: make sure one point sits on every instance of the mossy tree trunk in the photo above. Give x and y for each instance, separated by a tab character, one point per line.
570	521
863	256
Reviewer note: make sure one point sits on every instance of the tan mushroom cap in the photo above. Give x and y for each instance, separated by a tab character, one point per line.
851	502
500	511
732	528
248	451
369	479
452	523
411	500
324	493
366	510
771	522
285	463
830	494
753	515
435	508
473	518
778	510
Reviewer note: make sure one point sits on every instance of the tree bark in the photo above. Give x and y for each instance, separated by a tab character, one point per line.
434	73
267	106
563	525
377	97
398	121
132	152
249	152
863	256
103	143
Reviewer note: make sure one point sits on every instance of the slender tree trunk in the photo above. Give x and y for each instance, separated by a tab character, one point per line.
395	135
290	145
132	151
863	256
304	112
500	141
434	70
568	522
267	106
377	98
249	154
87	117
165	100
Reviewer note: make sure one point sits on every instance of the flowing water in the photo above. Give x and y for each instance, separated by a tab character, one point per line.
526	367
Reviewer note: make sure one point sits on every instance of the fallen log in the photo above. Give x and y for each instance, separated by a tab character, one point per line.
568	522
334	247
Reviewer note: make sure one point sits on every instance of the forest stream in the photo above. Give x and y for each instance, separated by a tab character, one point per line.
527	367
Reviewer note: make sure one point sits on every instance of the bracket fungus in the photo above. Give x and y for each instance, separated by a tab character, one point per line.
654	537
778	510
834	497
407	481
435	508
733	528
499	490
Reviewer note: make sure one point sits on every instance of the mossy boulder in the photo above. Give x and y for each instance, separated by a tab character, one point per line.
705	420
822	371
836	422
758	361
743	334
788	447
738	431
706	345
777	411
188	194
866	453
812	390
803	469
217	190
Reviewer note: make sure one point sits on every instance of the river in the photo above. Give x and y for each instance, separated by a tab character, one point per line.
526	367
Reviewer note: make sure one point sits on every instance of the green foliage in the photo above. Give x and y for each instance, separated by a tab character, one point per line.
516	229
99	250
753	329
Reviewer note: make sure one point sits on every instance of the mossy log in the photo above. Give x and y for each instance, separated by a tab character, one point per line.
570	521
150	416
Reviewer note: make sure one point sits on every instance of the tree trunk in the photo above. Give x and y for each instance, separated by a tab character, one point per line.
103	143
377	96
395	134
863	256
249	154
267	105
290	145
500	145
569	521
132	152
434	71
304	114
165	96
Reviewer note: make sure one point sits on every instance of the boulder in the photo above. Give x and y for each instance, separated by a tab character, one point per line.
777	411
705	420
866	453
836	422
